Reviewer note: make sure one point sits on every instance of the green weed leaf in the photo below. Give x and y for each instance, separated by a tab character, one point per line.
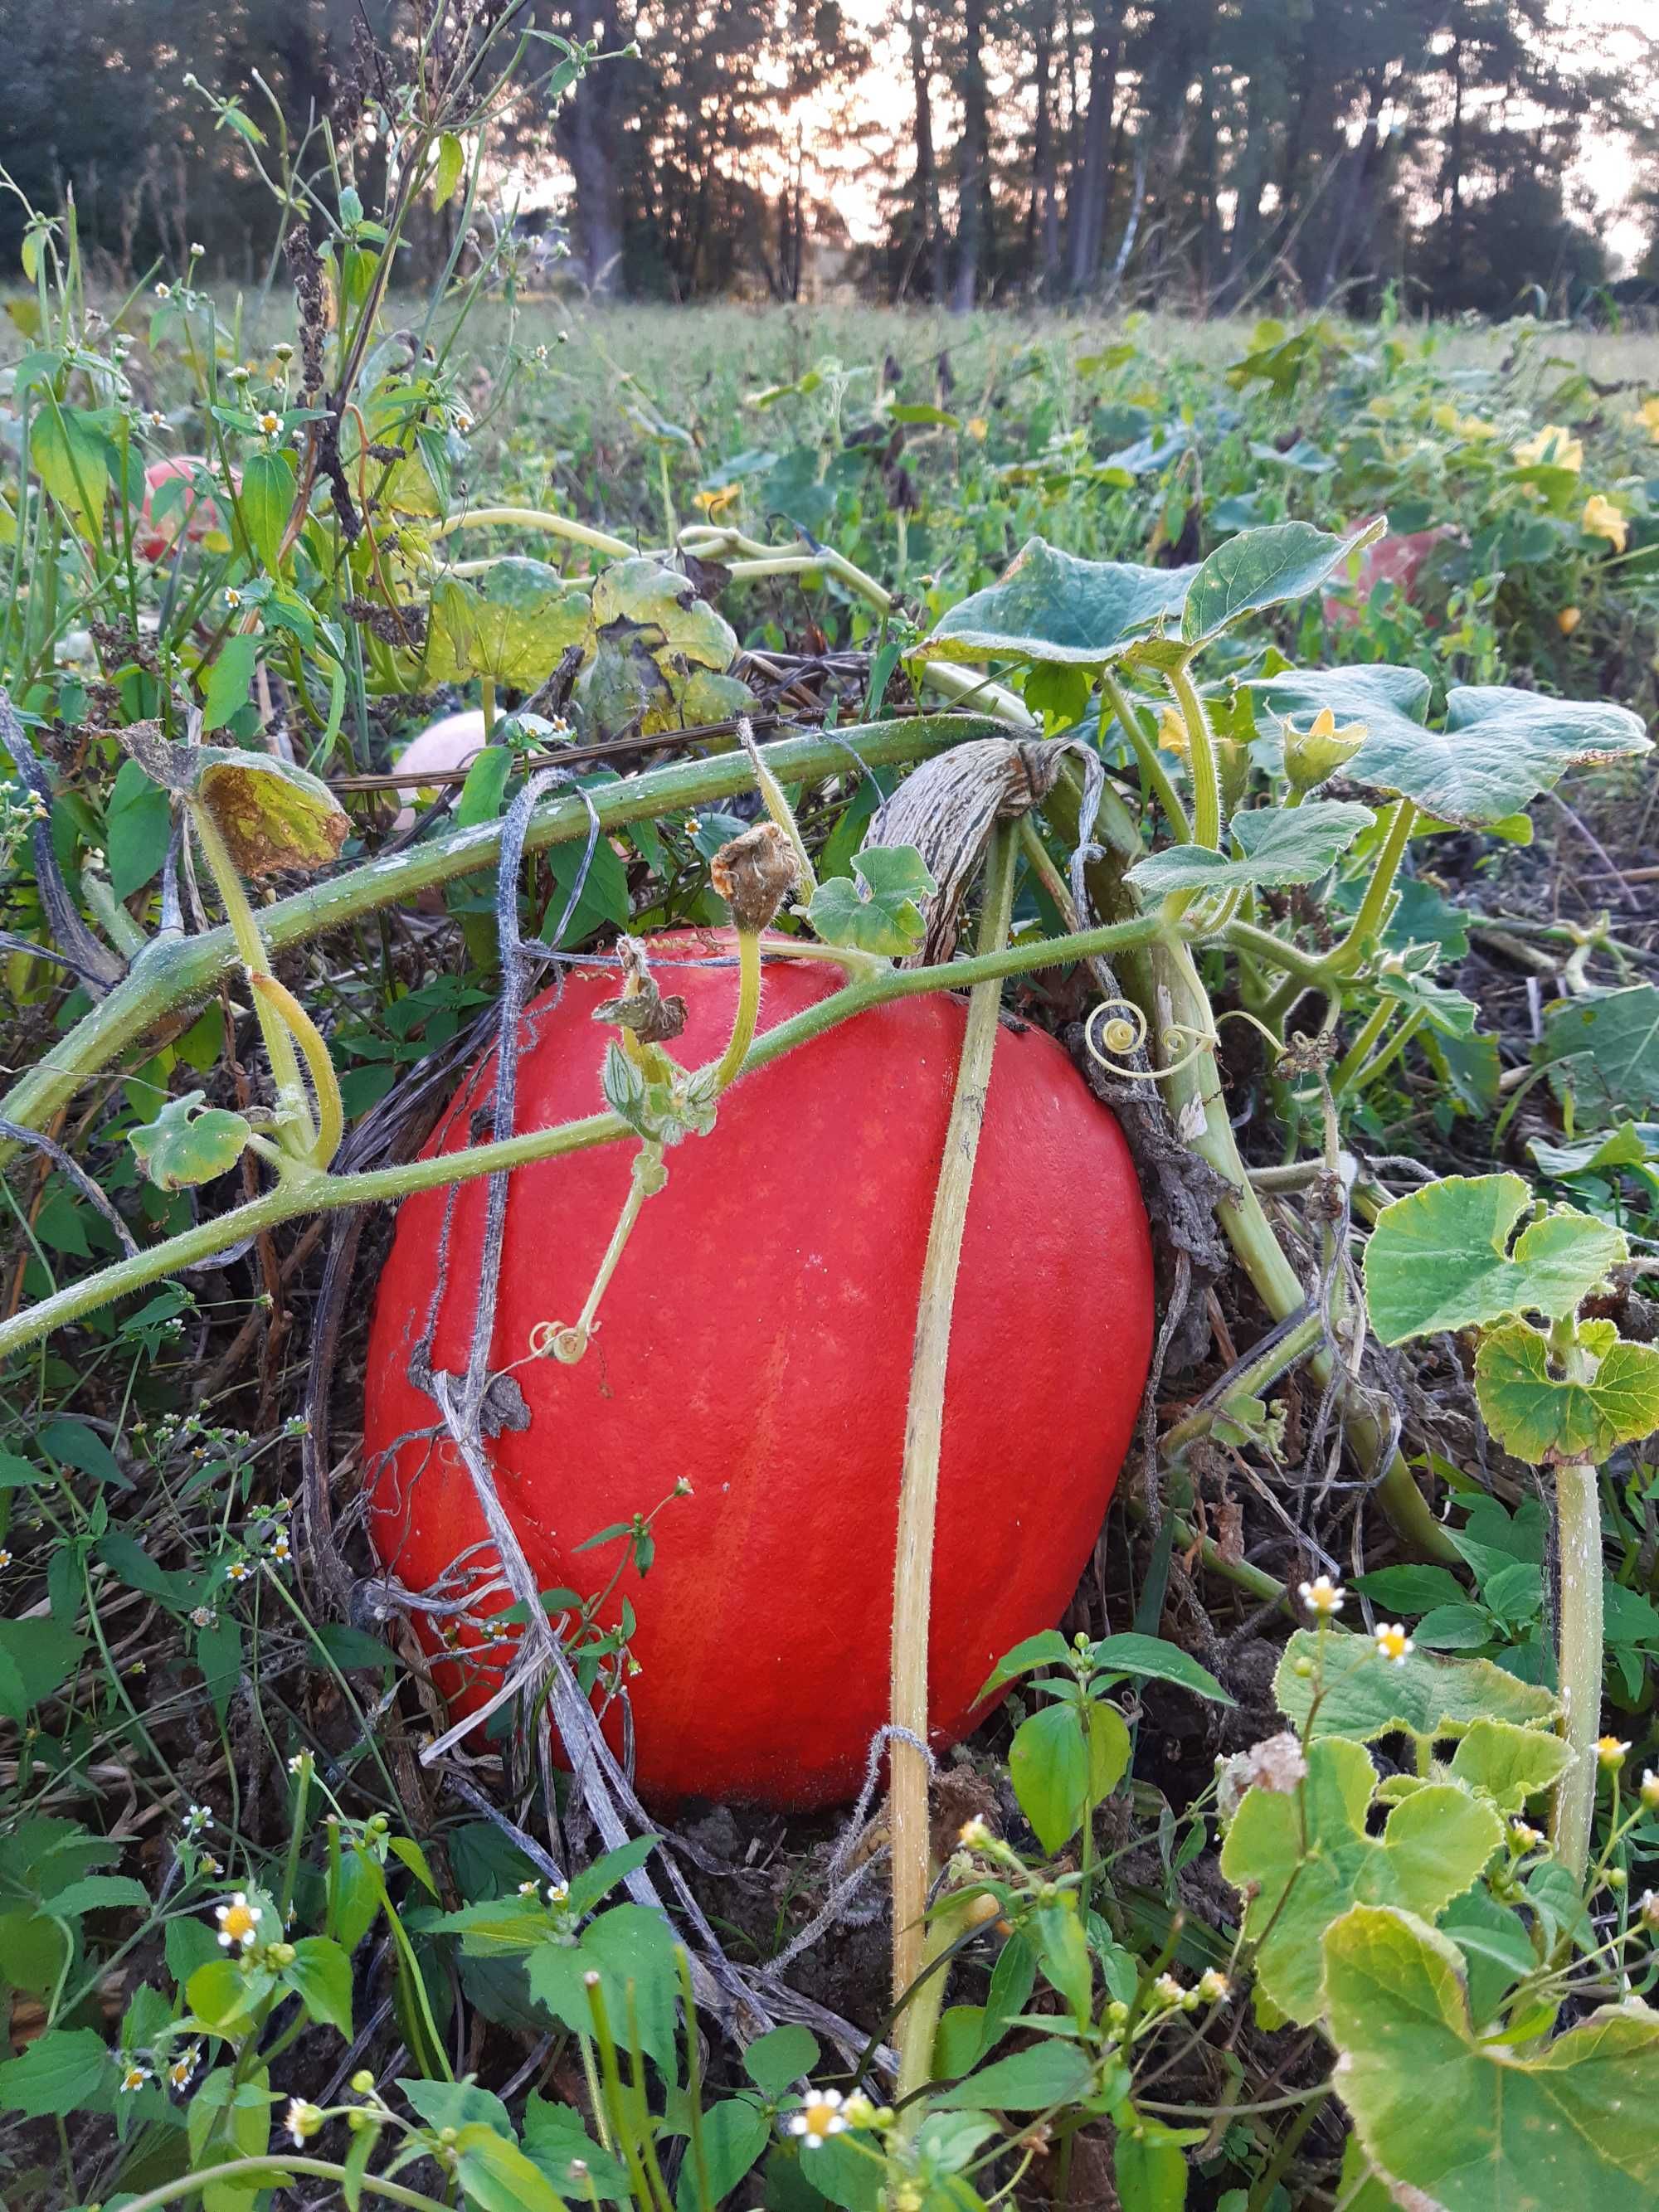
1440	1259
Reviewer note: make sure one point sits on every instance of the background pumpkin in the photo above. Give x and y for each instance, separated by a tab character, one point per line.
756	1340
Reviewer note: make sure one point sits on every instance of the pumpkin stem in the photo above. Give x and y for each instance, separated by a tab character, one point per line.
913	1565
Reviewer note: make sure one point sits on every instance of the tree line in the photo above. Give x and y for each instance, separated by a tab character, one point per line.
1216	154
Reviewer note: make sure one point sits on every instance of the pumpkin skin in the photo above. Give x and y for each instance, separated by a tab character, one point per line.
756	1340
197	517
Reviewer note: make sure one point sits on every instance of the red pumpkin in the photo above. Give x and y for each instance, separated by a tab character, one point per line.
755	1339
195	513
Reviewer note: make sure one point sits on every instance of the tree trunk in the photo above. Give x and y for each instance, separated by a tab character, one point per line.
971	178
1093	184
589	129
928	232
1043	230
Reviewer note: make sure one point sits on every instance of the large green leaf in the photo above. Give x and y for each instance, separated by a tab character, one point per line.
1545	1418
1612	1040
1262	568
1279	845
1057	1772
513	625
1499	749
1302	1857
1364	1696
1439	1258
272	814
1476	2126
65	2070
72	457
1052	606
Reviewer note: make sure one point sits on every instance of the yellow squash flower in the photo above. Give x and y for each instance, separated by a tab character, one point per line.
1647	415
1601	519
1555	446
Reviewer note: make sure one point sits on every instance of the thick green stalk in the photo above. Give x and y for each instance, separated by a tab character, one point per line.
298	1134
748	1014
253	2173
305	1190
924	1429
175	972
1345	956
1579	1627
1207	775
1154	776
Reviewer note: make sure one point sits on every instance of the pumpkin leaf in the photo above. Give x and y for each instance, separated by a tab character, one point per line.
1262	568
1279	844
189	1142
1510	1764
513	625
1465	2124
1611	1041
1052	606
1363	1698
1439	1258
878	914
271	814
1499	749
1543	1417
1302	1857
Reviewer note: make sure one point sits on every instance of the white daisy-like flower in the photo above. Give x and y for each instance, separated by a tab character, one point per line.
1611	1752
184	2067
164	291
157	419
210	1864
1651	1789
239	1921
238	1572
271	422
1168	1991
197	1818
5	1557
528	1889
232	597
1393	1643
818	2118
281	1549
1524	1837
1323	1596
134	2075
558	1892
1213	1987
301	2120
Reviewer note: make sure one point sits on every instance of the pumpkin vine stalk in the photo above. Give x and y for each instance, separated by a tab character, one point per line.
1580	1631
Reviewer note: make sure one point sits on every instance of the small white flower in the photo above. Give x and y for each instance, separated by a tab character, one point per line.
1611	1752
820	2117
1523	1837
1647	1910
558	1892
184	2066
1213	1987
1323	1596
301	2120
5	1557
528	1889
134	2075
239	1921
210	1864
281	1549
157	419
271	422
197	1818
301	1763
164	291
238	1572
1168	1991
1651	1789
202	1616
1393	1643
232	597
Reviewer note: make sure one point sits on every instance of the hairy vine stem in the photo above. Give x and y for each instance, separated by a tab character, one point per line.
924	1430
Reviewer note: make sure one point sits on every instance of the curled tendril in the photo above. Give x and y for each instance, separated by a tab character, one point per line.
1121	1035
557	1339
1124	1032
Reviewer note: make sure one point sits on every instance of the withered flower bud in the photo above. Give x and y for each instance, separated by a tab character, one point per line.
642	1010
754	874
